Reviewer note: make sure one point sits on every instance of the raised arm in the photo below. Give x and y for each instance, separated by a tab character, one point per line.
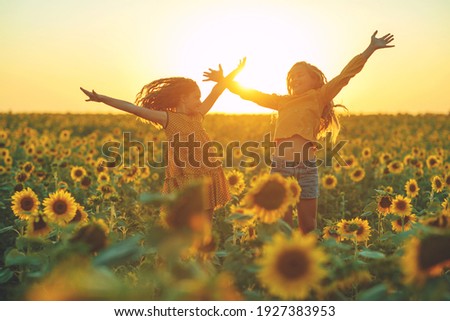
378	43
334	86
260	98
220	86
155	116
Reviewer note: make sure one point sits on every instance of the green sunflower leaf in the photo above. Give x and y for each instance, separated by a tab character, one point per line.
378	292
5	275
121	252
372	254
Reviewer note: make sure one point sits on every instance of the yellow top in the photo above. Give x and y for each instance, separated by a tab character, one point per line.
300	114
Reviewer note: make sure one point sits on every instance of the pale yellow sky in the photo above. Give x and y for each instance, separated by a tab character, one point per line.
51	48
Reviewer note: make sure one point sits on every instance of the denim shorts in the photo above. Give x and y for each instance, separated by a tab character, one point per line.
306	174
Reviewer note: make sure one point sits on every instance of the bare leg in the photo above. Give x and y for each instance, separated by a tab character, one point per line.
307	214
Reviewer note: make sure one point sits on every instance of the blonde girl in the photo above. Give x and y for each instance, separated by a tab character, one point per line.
305	115
174	104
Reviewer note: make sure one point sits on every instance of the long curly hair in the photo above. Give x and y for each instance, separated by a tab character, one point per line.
165	94
329	121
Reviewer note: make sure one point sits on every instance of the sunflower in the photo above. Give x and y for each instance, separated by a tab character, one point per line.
205	247
21	177
38	225
60	207
295	188
292	267
419	172
94	235
350	161
4	152
85	182
64	135
81	216
447	180
77	173
337	167
446	206
155	176
401	205
407	160
432	161
329	181
25	203
103	178
354	229
3	170
107	190
404	223
269	198
236	181
384	203
331	232
425	258
395	167
28	167
144	172
412	188
187	211
357	174
385	158
366	153
436	184
440	221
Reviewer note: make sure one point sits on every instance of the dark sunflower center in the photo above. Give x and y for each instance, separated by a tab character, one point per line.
106	189
447	180
86	181
22	177
60	207
438	183
292	264
406	220
432	161
385	202
28	167
401	205
233	180
78	173
39	225
358	173
271	196
77	216
27	203
329	181
434	250
412	188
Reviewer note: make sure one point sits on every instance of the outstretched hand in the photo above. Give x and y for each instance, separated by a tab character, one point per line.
93	96
379	43
217	75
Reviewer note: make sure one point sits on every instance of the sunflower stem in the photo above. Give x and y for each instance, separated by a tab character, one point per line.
112	217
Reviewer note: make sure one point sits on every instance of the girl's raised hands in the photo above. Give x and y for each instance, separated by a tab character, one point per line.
379	43
93	96
217	75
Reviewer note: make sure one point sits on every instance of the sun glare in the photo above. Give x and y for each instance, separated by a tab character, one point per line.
264	36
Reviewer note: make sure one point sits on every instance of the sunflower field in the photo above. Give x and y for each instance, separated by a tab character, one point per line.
76	227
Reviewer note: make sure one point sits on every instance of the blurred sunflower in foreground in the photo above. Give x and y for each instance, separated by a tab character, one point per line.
270	197
425	258
291	267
